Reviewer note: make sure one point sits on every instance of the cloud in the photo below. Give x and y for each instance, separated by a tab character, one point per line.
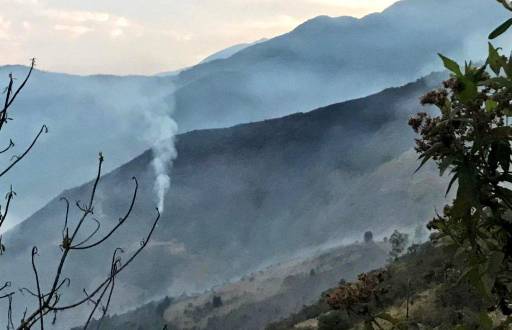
122	22
275	22
5	33
74	30
134	38
77	16
116	33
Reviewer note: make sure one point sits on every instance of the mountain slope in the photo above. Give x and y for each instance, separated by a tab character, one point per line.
248	195
85	115
327	60
323	61
258	298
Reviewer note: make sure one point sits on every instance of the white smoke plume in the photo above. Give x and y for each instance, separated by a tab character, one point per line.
160	133
164	129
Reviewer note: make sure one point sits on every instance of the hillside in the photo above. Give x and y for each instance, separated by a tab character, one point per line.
258	298
428	277
294	295
87	113
249	195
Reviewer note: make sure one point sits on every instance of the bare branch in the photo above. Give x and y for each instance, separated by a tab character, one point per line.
48	302
120	269
19	158
11	144
98	225
119	224
64	230
8	99
9	196
39	296
505	4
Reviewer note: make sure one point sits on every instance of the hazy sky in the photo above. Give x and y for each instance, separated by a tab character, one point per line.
148	36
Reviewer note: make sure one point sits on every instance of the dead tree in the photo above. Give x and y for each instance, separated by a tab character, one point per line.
49	303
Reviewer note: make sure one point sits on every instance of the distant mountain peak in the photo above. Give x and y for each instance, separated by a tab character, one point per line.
230	51
323	21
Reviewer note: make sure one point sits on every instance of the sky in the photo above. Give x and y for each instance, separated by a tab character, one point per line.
148	36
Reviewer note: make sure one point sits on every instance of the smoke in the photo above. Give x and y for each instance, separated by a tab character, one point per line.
162	129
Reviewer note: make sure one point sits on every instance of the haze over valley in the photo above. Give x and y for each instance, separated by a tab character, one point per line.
268	159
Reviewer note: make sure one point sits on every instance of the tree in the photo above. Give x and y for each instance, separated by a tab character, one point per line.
471	140
398	242
217	301
48	299
368	237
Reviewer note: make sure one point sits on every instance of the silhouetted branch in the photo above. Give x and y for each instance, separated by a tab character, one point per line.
49	301
6	285
10	324
43	129
98	226
10	95
9	196
8	99
38	285
110	285
106	281
505	4
119	224
64	230
11	144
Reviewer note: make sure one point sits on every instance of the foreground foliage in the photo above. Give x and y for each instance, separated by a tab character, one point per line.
471	140
419	290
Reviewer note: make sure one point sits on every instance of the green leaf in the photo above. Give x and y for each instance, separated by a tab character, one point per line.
428	154
501	29
445	164
467	192
451	65
452	181
498	82
469	90
495	60
490	105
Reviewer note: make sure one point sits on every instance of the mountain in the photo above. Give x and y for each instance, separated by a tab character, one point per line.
246	196
330	59
220	55
323	61
230	51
